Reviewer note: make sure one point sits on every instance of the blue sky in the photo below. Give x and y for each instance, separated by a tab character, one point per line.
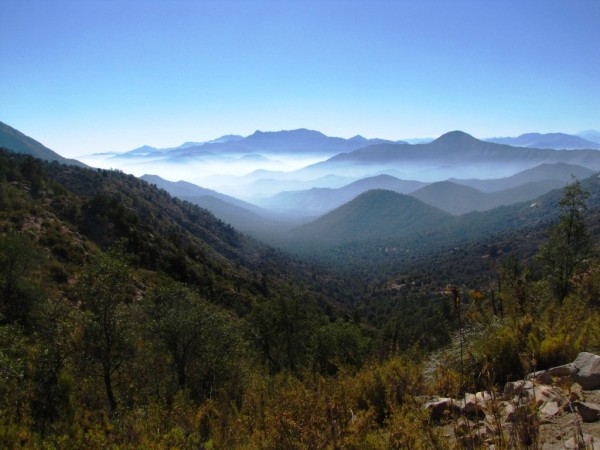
86	76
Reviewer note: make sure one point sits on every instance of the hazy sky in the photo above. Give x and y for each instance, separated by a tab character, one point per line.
86	76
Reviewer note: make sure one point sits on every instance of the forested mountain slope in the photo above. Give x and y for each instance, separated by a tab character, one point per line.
376	214
132	319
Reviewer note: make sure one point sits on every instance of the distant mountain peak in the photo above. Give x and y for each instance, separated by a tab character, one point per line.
358	137
298	131
454	137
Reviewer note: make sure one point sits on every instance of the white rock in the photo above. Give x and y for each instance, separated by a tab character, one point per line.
588	370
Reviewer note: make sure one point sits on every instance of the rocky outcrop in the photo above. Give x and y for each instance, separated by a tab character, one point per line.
551	400
585	371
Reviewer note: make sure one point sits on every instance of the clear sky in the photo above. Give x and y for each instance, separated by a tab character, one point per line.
85	76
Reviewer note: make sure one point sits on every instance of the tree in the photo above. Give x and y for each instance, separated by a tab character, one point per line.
104	291
17	296
203	344
283	327
569	242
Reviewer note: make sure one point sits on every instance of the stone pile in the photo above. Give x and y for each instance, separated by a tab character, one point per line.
559	403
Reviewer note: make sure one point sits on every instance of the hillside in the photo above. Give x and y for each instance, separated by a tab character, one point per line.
128	316
96	209
184	189
557	171
243	216
376	214
317	201
385	255
460	199
17	142
451	197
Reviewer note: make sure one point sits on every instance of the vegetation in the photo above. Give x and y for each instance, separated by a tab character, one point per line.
129	319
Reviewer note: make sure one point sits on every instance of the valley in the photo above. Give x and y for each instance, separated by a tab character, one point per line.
356	293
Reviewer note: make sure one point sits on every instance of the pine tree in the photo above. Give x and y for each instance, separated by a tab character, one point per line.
569	243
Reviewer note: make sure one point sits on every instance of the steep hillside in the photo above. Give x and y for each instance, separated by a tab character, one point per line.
376	214
186	189
243	216
17	142
75	211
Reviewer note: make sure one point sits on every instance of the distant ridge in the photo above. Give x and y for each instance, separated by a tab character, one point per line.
450	154
460	199
186	190
590	135
559	171
301	141
322	200
556	141
18	142
376	214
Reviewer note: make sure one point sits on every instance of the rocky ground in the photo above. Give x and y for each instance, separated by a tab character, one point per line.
558	408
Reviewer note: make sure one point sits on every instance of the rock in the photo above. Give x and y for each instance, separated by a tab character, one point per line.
442	407
549	410
541	376
483	396
519	388
588	370
575	392
568	370
509	411
578	443
545	394
471	405
547	376
589	412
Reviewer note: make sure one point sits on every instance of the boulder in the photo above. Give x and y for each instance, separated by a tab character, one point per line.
549	410
588	370
472	405
589	412
442	407
547	376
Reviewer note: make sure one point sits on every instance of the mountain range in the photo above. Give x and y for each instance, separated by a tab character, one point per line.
300	141
556	141
358	166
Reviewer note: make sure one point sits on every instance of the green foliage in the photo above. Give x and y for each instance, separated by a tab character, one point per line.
569	244
339	344
17	294
203	342
282	326
104	291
